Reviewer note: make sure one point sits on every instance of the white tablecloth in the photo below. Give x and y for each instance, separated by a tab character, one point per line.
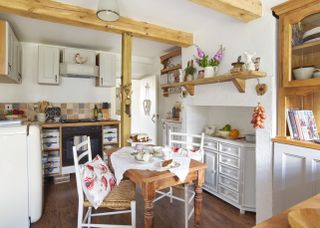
122	160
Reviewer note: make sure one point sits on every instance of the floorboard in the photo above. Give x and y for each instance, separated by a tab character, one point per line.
60	210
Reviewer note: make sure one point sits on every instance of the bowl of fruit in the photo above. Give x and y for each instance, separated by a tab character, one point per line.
225	131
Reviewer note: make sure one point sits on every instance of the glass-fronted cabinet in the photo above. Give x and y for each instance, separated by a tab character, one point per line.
298	61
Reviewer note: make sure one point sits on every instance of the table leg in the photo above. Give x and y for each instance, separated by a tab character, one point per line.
148	214
148	195
197	206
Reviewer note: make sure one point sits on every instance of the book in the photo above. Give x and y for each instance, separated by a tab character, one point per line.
293	124
297	121
311	125
289	123
303	125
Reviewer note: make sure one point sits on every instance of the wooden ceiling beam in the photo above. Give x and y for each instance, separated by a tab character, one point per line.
244	10
57	12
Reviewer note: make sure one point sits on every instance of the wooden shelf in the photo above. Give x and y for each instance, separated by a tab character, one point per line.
293	142
306	48
302	83
167	70
172	54
237	78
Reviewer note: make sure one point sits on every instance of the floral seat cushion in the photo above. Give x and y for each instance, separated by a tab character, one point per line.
97	181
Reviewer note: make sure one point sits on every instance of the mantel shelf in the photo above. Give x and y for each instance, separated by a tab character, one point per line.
238	79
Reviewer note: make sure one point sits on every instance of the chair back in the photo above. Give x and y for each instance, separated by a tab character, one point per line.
187	141
77	157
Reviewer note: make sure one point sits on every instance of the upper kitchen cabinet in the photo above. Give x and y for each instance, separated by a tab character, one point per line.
48	65
107	70
10	55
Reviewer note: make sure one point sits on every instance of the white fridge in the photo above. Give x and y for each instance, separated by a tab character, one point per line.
21	189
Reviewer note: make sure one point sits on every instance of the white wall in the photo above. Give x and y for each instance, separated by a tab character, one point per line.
202	116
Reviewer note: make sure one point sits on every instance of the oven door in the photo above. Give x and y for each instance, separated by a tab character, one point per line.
74	135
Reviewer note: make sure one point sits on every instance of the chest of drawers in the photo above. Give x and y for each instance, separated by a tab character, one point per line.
231	171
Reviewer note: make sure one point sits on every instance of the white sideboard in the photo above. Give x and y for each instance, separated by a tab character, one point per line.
296	175
231	171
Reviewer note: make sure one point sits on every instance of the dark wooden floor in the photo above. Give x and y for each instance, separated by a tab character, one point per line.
60	211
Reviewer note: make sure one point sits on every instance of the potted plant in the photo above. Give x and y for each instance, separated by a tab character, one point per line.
189	71
210	65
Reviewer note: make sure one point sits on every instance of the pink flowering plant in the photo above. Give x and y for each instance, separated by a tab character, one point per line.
203	60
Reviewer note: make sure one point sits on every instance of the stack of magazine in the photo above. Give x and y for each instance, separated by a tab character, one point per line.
302	125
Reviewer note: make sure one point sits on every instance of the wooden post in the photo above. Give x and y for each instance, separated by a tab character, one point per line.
126	88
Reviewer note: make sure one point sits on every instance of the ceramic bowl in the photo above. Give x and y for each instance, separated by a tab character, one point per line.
316	74
224	134
303	73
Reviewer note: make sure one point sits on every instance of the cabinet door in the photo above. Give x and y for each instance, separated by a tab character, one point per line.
211	159
48	65
107	70
10	45
296	175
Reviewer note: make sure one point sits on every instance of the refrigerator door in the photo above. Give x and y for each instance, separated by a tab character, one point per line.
14	210
35	173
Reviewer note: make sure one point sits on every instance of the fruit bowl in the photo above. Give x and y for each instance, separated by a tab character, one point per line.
224	134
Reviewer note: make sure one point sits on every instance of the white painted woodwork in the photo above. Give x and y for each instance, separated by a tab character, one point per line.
231	171
296	175
167	126
12	72
48	65
107	70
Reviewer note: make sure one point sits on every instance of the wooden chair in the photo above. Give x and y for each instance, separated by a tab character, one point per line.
120	199
184	140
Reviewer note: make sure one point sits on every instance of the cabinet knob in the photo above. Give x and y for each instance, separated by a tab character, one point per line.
101	81
9	65
56	78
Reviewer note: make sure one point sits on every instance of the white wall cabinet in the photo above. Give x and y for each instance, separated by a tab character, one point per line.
10	55
231	172
296	175
107	70
48	65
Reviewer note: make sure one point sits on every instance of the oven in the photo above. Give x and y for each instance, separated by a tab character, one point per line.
72	135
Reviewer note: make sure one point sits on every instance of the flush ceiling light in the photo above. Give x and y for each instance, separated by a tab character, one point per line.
108	10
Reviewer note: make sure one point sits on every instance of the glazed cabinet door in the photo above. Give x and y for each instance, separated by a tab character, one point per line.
107	70
211	159
48	65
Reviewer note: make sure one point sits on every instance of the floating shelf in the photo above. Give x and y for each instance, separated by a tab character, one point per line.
172	54
238	79
167	70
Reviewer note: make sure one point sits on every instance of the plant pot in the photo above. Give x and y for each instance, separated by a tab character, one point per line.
208	72
41	117
216	70
189	77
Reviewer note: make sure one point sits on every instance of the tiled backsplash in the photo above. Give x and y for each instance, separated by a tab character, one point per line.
68	110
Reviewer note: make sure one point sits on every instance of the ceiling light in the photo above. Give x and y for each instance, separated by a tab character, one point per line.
108	10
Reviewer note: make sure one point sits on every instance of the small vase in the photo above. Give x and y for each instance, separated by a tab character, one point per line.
216	70
208	72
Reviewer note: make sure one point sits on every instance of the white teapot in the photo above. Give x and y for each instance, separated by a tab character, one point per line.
249	61
210	130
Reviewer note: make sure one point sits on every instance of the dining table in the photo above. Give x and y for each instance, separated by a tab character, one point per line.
149	181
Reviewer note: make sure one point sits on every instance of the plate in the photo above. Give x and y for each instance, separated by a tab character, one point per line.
173	165
143	161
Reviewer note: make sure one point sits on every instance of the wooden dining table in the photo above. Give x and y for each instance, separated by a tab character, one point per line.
150	181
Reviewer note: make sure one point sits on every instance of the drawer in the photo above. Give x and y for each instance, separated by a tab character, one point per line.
51	146
50	140
229	194
210	144
52	170
228	160
50	134
229	149
110	130
230	172
225	181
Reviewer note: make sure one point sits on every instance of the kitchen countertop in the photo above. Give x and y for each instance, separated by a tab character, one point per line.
281	220
238	142
80	124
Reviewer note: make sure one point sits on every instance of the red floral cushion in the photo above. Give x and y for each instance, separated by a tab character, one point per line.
97	180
